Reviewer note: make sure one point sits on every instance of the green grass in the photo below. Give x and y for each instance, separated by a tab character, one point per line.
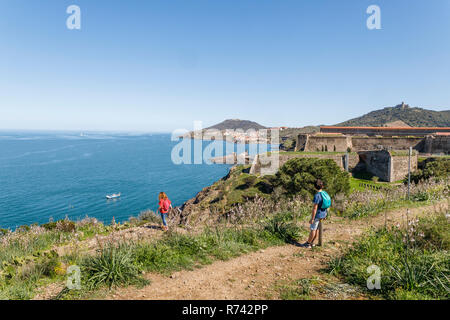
357	184
359	179
414	264
394	200
25	245
238	188
123	264
114	266
26	259
19	279
296	290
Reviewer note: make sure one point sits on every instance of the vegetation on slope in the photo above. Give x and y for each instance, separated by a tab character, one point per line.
414	261
261	211
414	117
123	263
431	167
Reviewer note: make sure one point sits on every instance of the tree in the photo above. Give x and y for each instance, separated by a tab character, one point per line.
431	167
298	175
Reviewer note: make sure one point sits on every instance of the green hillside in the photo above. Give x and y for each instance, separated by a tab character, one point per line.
414	117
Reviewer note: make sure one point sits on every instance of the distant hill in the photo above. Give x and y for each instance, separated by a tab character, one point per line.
414	117
234	124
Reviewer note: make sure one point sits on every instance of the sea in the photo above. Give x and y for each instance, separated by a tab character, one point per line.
48	176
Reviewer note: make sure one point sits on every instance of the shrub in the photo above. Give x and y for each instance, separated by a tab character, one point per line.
298	175
250	181
48	264
114	266
283	227
149	216
62	225
266	184
50	225
431	168
65	226
435	233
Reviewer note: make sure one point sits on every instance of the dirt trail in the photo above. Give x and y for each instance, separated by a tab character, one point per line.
252	275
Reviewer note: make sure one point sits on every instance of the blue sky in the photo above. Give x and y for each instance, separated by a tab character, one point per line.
158	65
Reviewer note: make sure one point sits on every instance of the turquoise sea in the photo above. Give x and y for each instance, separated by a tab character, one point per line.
57	174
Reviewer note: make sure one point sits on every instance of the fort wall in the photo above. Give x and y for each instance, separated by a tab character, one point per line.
377	143
385	131
399	165
340	143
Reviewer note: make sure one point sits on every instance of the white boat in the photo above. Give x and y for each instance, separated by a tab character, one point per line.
113	196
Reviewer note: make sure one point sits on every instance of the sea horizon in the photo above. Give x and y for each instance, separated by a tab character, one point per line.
55	175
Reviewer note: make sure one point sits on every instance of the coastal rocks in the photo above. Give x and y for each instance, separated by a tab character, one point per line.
198	209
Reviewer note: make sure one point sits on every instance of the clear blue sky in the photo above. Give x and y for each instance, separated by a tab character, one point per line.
158	65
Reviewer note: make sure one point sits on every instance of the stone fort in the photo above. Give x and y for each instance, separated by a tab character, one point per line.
343	139
381	151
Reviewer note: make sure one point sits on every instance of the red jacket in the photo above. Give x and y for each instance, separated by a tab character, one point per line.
164	205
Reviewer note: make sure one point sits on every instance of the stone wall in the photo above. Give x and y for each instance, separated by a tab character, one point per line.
340	143
388	166
436	144
383	131
377	163
399	166
327	143
377	143
301	142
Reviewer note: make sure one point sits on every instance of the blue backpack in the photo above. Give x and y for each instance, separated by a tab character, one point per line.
326	200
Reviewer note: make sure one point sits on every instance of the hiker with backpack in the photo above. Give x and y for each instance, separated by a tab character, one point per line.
322	201
164	206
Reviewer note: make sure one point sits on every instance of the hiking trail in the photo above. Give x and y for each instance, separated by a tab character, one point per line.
252	276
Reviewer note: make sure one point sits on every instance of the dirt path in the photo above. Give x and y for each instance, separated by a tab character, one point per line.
251	276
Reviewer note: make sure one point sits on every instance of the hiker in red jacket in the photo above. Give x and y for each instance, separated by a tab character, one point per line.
164	206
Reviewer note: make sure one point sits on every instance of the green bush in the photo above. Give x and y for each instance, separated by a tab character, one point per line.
435	231
61	225
298	175
113	267
249	181
267	184
49	225
438	168
283	227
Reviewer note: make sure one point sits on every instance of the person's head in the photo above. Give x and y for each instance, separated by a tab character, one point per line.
162	195
318	185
